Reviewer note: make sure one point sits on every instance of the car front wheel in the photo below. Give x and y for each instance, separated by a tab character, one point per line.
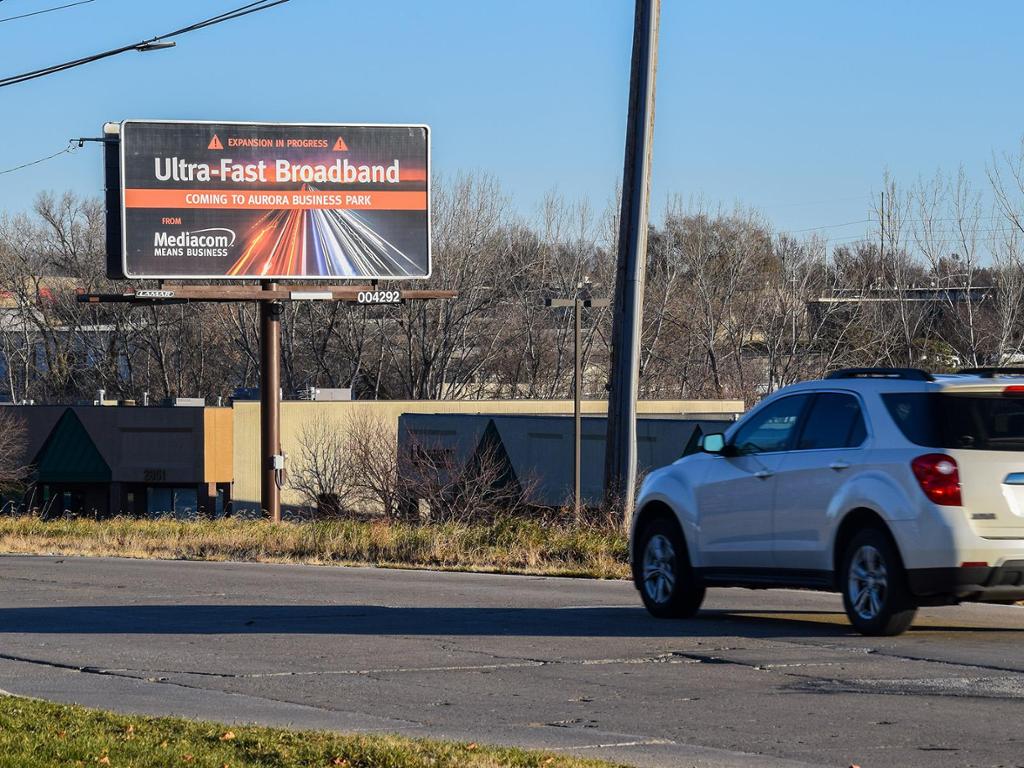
874	584
668	585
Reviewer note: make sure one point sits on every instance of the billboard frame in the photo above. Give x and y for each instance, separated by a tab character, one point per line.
122	210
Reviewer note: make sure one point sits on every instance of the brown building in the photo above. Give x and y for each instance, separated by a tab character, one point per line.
150	461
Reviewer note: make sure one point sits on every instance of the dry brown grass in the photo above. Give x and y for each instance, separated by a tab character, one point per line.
506	546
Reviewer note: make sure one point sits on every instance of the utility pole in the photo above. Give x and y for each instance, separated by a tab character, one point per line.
627	316
881	228
578	303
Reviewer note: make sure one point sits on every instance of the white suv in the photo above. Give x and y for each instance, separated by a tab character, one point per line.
896	487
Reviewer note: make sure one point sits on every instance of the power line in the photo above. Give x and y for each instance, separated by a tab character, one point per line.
823	201
833	226
950	234
46	10
68	149
906	220
142	45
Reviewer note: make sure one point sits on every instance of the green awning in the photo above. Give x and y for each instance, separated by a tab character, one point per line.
69	455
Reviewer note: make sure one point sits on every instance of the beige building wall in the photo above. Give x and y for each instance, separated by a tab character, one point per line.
296	413
218	445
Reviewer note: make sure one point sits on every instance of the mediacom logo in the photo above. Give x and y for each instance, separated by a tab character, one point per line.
197	239
210	243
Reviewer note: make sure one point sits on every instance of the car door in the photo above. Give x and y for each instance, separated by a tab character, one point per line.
734	501
828	447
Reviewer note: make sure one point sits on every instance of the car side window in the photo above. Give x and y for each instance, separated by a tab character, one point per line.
834	421
772	428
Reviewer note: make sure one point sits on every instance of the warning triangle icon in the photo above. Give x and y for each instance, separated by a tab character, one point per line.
340	145
215	143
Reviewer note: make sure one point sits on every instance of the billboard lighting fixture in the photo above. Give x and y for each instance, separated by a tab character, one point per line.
154	45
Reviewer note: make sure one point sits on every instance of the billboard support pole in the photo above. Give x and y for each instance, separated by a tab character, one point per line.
270	405
627	316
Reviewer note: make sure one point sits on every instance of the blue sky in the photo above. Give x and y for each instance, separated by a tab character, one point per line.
793	107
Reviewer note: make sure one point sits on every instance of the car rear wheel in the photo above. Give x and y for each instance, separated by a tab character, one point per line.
874	584
668	585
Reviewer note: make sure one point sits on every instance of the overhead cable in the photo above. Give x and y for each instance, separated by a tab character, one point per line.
68	149
143	45
46	10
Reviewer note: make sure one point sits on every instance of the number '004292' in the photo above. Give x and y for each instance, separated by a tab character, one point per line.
379	297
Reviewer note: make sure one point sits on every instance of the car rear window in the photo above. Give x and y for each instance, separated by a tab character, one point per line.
965	422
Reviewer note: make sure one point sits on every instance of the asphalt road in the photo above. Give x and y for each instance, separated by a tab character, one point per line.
765	679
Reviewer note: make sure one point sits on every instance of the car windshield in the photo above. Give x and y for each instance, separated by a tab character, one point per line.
967	422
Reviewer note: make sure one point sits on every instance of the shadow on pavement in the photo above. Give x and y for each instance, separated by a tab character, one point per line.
807	619
379	620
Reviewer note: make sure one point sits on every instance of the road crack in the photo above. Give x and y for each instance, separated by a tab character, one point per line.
125	674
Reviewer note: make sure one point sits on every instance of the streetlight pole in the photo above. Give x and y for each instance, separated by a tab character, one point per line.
577	417
578	303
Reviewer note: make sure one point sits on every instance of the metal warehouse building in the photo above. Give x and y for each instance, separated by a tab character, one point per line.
188	460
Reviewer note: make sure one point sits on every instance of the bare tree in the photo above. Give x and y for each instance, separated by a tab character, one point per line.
15	473
458	488
900	320
324	471
1008	301
948	234
372	446
1006	176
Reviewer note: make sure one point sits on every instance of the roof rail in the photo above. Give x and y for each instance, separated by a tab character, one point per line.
911	374
991	373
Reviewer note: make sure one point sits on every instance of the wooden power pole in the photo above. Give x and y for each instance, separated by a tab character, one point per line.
627	315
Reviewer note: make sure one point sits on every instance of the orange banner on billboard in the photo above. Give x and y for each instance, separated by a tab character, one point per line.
386	200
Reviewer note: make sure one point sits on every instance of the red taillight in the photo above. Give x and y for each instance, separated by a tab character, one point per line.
1014	389
939	478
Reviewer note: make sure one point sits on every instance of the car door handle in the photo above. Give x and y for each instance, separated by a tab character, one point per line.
763	474
839	466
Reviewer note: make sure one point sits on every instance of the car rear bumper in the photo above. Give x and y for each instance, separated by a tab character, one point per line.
974	583
943	538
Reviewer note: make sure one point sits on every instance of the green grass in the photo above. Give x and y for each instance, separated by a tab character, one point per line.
38	734
507	546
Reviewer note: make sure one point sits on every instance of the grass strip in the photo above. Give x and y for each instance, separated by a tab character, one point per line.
505	546
39	734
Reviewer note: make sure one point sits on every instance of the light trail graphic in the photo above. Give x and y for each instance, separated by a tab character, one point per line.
272	247
335	243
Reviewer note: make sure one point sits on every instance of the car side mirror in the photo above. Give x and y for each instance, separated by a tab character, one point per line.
713	443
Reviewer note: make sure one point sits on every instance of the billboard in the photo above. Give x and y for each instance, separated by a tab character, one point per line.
205	200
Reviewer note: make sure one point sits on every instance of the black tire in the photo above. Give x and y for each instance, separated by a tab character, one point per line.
873	581
671	589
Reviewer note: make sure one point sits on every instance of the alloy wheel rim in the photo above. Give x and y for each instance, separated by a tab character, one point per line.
659	570
868	582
